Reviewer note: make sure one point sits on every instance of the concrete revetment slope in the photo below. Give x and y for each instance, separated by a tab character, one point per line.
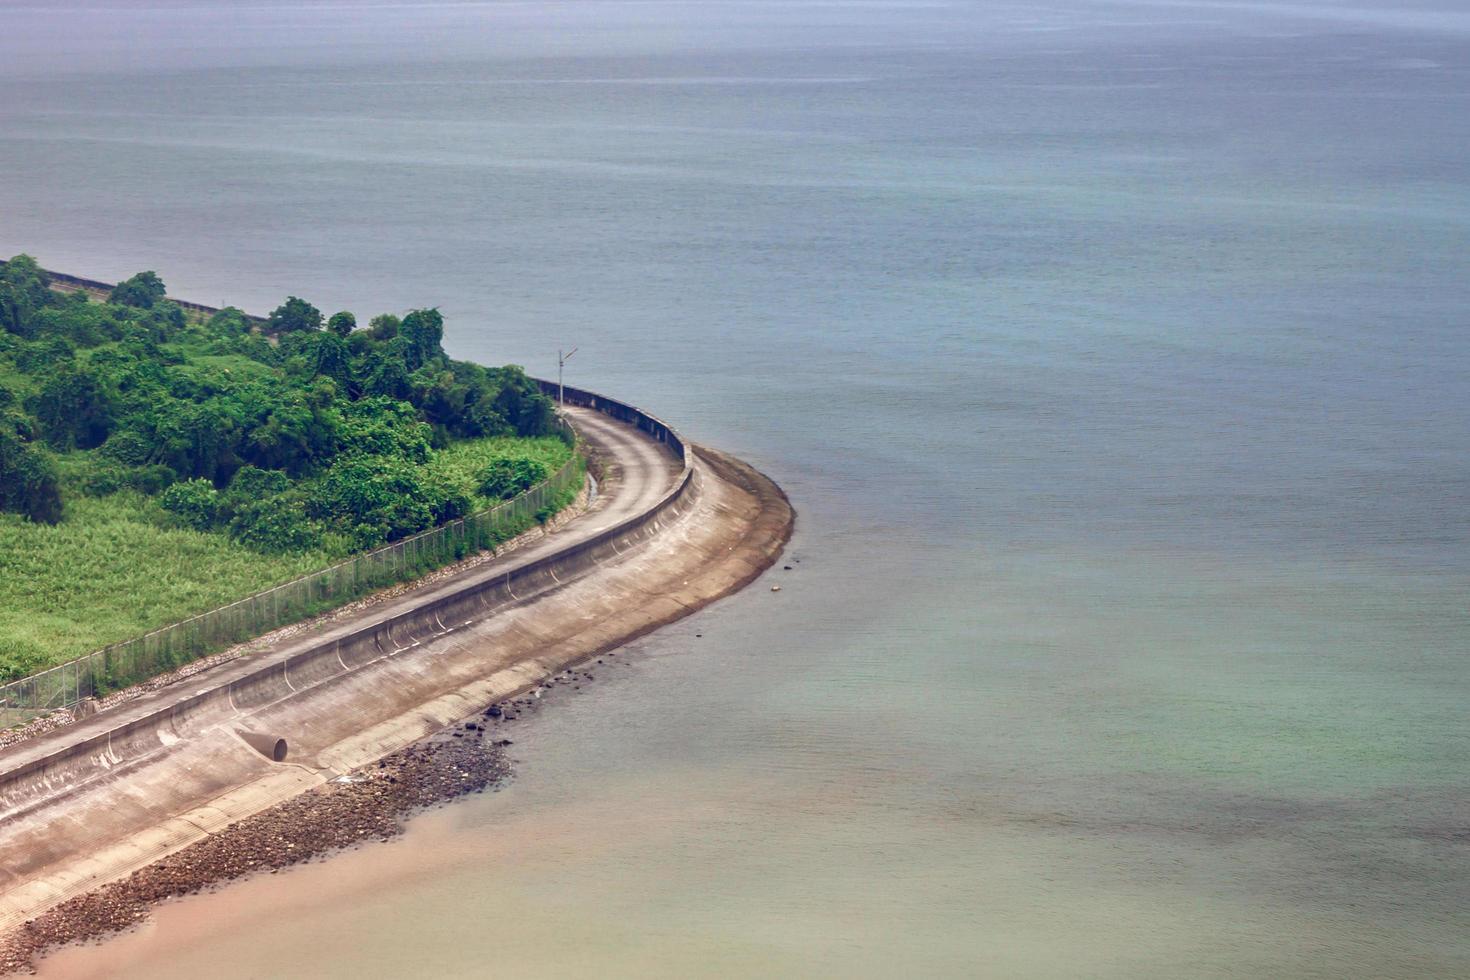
674	528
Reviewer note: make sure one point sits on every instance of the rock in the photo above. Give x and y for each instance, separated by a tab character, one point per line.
775	588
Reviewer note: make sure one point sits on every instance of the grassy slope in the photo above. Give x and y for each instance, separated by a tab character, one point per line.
113	569
463	460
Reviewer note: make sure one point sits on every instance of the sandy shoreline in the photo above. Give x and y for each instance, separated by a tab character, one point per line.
369	805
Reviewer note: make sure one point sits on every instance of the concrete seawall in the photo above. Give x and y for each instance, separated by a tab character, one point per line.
37	769
108	795
675	528
652	426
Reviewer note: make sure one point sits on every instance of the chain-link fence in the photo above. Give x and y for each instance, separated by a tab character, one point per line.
132	661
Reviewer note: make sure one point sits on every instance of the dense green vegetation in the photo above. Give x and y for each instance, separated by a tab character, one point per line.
153	464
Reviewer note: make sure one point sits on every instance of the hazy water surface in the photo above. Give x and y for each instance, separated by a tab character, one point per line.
1115	355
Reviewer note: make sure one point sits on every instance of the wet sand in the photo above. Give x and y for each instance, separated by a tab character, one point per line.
369	804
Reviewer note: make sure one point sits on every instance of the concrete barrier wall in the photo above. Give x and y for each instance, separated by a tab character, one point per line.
68	283
636	417
40	777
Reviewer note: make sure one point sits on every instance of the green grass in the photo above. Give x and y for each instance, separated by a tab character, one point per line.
111	571
206	366
17	382
115	568
463	461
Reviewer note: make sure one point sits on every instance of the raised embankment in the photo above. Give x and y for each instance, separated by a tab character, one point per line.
677	529
61	760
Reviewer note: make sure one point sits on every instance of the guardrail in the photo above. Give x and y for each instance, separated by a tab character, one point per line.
133	661
654	426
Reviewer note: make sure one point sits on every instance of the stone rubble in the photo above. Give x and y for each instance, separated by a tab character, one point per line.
359	807
371	804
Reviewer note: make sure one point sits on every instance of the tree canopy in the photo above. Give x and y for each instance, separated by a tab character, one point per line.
295	314
275	436
142	290
342	324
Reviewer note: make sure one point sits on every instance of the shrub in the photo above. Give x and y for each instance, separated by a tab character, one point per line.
449	498
151	479
44	353
389	377
275	524
100	481
169	315
24	289
383	427
252	482
293	315
365	537
257	348
342	323
84	324
508	476
248	485
141	291
127	446
230	322
28	481
384	326
74	409
379	491
193	503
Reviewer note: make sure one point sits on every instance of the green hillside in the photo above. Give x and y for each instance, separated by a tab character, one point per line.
155	464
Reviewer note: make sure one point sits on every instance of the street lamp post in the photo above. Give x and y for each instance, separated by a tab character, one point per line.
561	361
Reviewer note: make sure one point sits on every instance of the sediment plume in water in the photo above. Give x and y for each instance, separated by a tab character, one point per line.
369	804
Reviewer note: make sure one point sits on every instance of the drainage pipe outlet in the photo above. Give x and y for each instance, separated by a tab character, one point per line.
270	746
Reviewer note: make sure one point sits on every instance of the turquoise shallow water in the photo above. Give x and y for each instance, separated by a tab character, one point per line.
1114	354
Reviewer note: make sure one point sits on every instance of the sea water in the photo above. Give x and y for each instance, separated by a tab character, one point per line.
1114	354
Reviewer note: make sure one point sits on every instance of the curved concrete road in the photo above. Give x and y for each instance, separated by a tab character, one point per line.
638	471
